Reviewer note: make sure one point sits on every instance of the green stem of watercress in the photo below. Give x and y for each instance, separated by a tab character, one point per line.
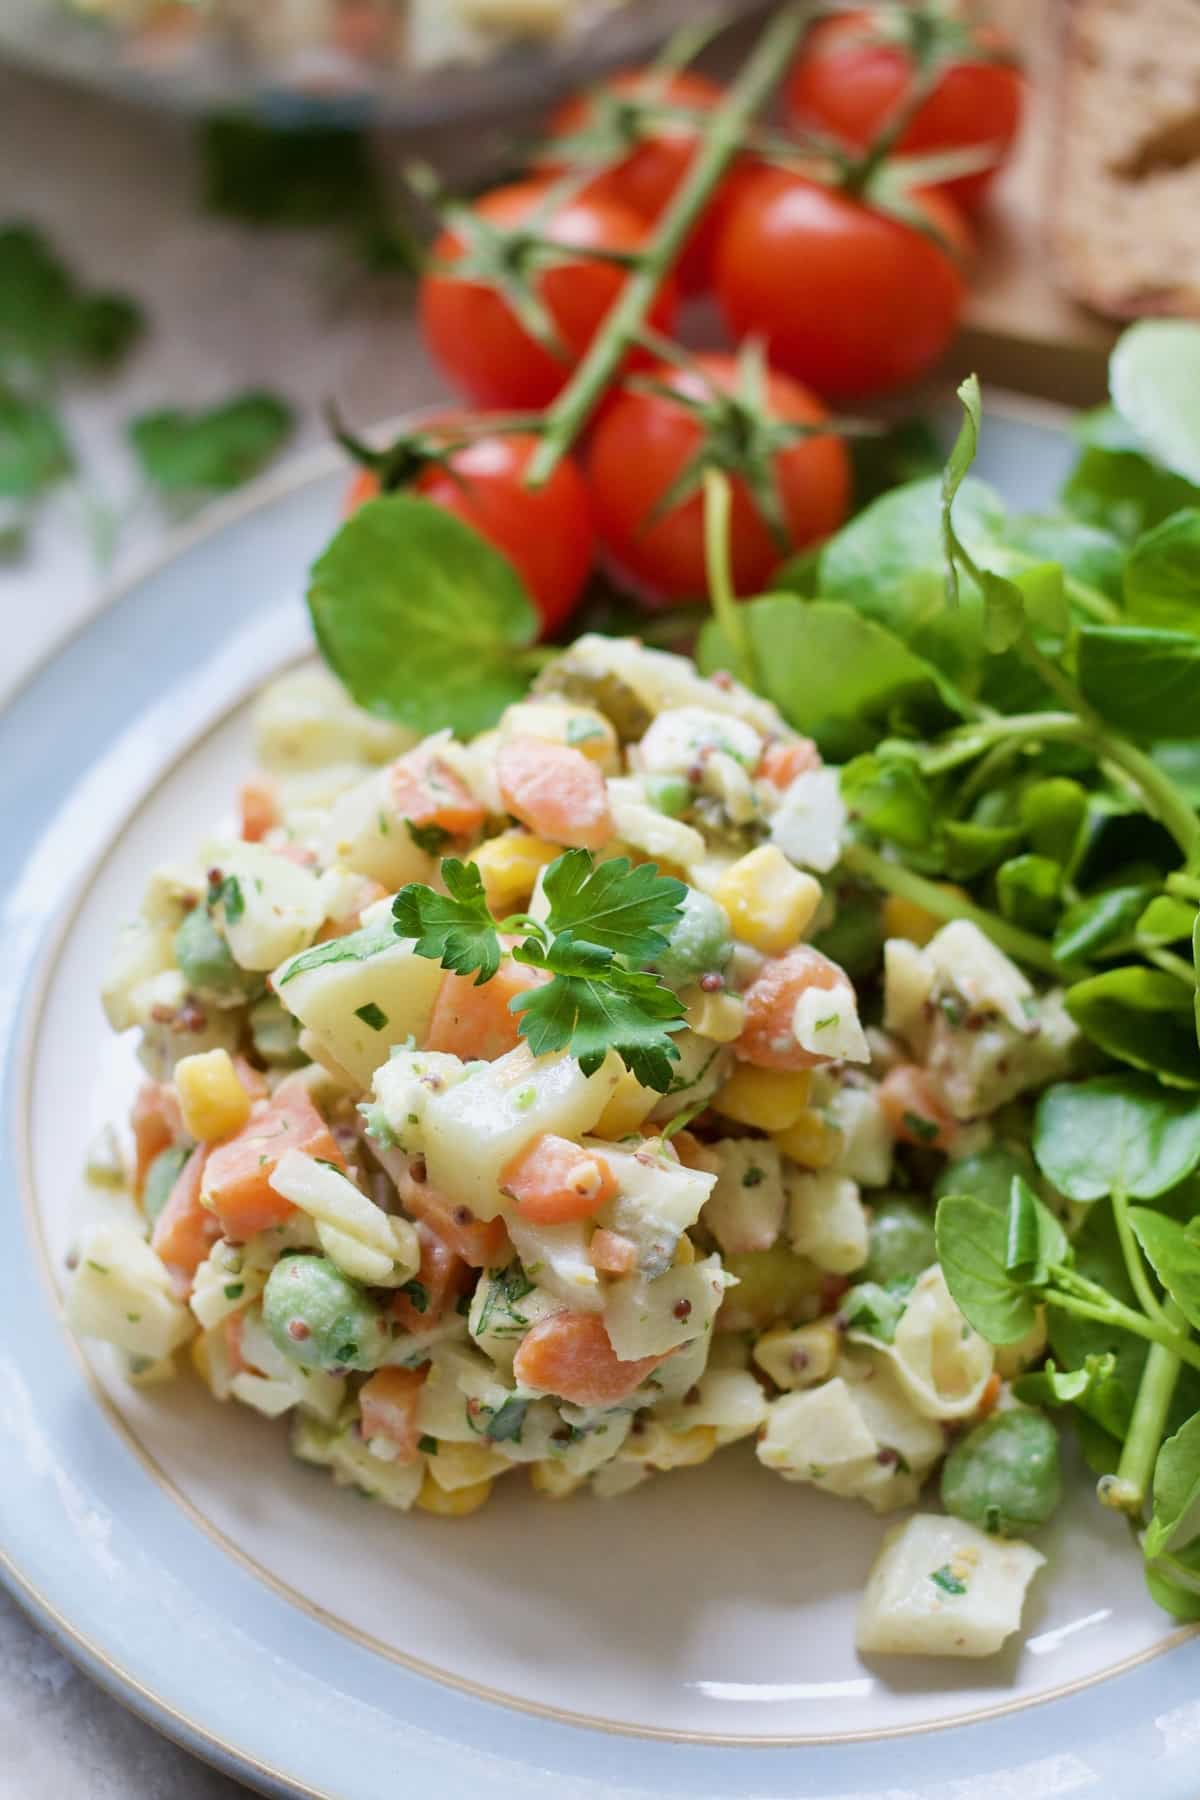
1068	1291
1127	1490
718	568
894	878
1134	1263
761	73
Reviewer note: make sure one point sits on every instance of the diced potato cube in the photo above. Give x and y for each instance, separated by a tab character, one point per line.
940	1587
121	1292
647	1318
798	1356
745	1210
810	822
305	719
212	1100
827	1221
361	995
825	1023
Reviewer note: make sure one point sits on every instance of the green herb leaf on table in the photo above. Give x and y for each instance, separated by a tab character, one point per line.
216	449
421	619
34	452
1116	1134
456	928
47	322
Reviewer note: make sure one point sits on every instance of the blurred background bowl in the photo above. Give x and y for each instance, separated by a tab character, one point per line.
403	63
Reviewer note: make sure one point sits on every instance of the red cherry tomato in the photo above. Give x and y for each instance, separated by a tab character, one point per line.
471	327
545	532
643	443
851	87
848	299
646	177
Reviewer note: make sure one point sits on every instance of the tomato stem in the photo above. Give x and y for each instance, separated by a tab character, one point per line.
722	136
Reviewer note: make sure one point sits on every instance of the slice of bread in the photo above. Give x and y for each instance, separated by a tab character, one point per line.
1126	175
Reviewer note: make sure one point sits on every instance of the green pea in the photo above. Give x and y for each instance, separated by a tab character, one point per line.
670	794
275	1034
161	1177
206	961
1005	1476
318	1317
986	1176
699	942
901	1243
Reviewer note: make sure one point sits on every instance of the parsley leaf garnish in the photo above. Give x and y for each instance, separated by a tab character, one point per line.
594	1005
455	929
613	904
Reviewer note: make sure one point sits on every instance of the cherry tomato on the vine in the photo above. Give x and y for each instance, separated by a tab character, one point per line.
545	532
849	80
646	441
847	298
649	159
470	323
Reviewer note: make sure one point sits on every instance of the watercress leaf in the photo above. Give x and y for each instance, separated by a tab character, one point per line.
1174	1257
1162	574
1052	812
1175	1522
962	455
1003	611
1165	1590
890	796
1166	921
889	563
1142	1017
838	676
1115	1133
34	452
1086	552
873	1309
627	911
968	849
1154	381
1180	759
972	1246
1028	890
1035	1240
216	449
1100	923
1051	1386
1116	485
1110	1398
1144	681
456	928
420	618
593	1006
986	1175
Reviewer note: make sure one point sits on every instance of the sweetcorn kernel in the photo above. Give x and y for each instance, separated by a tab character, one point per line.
464	1465
768	1099
811	1141
212	1100
509	866
717	1017
455	1505
769	901
905	919
553	1479
798	1356
627	1107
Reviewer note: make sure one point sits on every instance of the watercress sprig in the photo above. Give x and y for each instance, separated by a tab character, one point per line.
603	921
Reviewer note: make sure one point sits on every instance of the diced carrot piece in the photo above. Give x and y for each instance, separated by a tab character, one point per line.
388	1404
237	1178
258	804
554	1181
989	1397
912	1109
475	1022
570	1354
300	854
426	792
232	1333
612	1253
767	1039
781	763
481	1243
252	1079
185	1230
156	1122
364	487
441	1278
556	791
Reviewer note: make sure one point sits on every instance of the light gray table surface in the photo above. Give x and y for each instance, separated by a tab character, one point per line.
229	308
